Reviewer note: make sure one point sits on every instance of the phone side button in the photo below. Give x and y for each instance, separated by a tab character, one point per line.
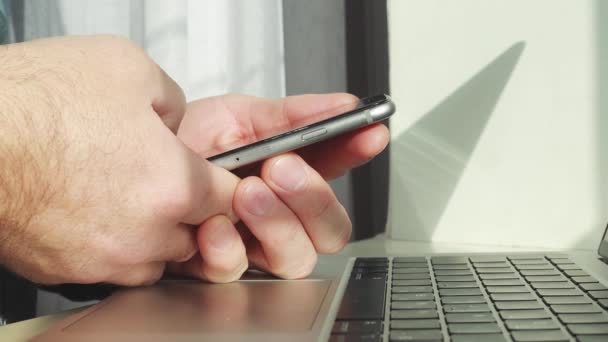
316	133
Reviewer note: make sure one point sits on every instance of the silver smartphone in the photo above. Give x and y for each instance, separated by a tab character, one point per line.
367	111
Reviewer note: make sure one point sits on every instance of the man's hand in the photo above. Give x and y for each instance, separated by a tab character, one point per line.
289	212
94	184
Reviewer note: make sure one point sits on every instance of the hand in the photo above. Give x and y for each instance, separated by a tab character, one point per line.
289	212
94	184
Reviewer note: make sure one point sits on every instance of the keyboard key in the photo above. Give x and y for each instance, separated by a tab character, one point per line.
526	257
588	329
567	300
363	299
466	308
529	262
416	335
368	275
453	272
482	270
370	270
486	276
478	338
454	278
575	308
412	265
576	273
562	261
415	324
519	305
473	328
357	327
559	292
545	278
488	258
416	282
415	270
451	267
598	294
409	259
457	284
412	296
477	317
539	272
413	305
414	314
502	282
552	285
491	264
524	314
448	260
539	335
507	289
459	292
371	259
593	286
593	338
412	289
531	324
603	303
355	338
512	296
410	276
584	318
539	267
587	279
462	299
568	267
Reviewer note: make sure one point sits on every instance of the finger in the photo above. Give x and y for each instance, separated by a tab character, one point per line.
209	190
311	198
287	250
223	256
336	156
168	101
178	244
143	274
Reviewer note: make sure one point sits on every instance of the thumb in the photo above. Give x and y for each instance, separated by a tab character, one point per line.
212	190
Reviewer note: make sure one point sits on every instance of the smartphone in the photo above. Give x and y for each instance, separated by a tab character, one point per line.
368	110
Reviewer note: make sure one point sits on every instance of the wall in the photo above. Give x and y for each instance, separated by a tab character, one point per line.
501	134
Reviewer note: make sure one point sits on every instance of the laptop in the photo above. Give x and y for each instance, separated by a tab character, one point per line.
456	297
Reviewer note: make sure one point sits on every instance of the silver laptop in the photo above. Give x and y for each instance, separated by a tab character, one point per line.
457	297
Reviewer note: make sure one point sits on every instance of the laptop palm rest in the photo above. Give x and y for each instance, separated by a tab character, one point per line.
195	308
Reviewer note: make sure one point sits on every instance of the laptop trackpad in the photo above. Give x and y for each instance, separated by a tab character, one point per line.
192	307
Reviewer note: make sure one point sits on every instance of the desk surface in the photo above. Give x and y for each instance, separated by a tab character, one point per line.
25	330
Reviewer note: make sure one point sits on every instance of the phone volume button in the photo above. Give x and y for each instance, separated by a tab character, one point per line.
316	133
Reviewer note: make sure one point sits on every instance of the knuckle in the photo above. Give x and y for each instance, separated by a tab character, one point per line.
286	236
225	273
341	241
325	200
302	269
176	202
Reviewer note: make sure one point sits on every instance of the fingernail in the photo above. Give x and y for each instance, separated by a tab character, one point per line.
258	199
224	236
289	173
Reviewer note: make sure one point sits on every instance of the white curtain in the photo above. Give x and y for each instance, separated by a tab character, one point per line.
208	47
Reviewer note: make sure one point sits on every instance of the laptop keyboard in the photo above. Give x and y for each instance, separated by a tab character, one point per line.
478	298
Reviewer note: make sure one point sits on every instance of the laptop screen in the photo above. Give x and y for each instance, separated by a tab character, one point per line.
603	248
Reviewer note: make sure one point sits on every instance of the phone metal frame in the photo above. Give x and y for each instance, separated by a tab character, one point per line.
370	110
